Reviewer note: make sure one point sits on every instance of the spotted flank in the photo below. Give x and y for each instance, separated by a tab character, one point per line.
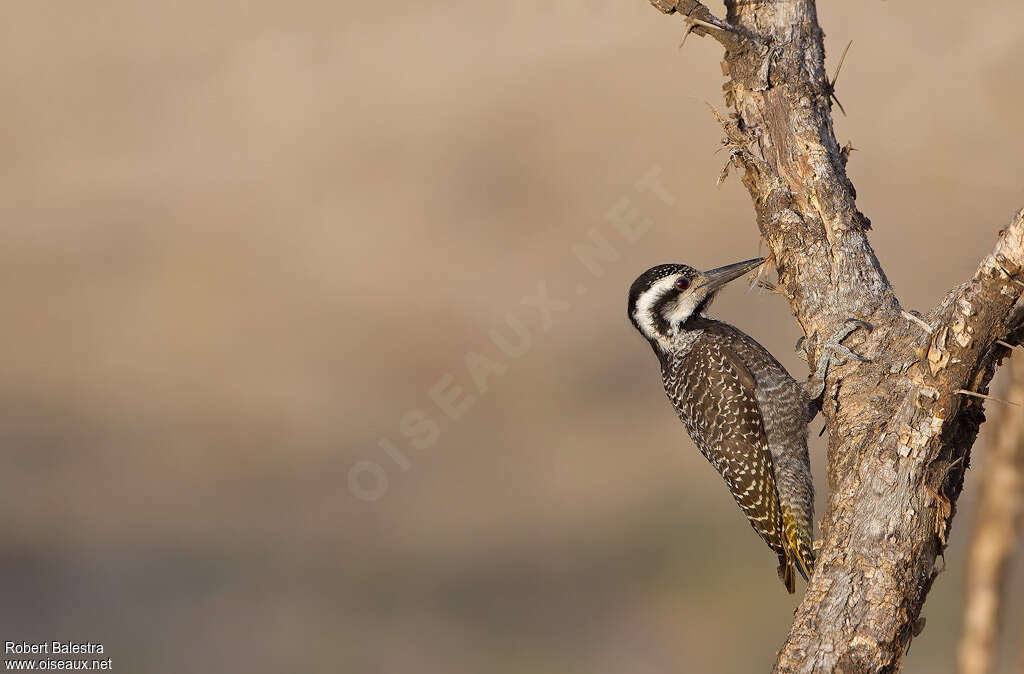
745	413
715	394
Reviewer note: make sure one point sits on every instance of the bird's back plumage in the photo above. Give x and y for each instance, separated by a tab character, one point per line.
748	418
744	412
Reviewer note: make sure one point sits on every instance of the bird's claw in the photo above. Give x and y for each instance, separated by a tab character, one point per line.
834	352
843	353
836	349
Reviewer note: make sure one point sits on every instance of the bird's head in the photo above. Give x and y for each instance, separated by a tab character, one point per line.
664	298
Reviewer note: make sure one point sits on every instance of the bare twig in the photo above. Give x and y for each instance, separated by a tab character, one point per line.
988	397
701	21
996	530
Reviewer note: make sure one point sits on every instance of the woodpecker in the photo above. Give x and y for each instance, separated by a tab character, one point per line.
740	406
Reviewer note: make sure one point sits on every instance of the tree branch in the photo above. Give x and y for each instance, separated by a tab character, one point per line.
996	530
900	430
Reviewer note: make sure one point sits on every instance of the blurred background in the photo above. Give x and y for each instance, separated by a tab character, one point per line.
315	355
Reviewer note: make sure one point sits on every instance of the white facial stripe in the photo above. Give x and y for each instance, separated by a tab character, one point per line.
683	309
674	313
645	305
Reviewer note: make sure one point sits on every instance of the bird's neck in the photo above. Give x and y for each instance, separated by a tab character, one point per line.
697	323
682	336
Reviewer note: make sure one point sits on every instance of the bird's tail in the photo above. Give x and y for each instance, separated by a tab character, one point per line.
786	572
798	545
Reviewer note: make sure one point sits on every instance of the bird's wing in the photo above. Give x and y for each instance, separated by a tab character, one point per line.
785	426
724	420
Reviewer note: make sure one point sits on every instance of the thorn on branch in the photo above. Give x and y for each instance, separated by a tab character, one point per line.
759	280
764	284
917	319
1017	347
844	152
987	397
700	20
835	78
692	23
734	154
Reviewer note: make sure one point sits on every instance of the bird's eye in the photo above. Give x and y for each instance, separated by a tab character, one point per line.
682	284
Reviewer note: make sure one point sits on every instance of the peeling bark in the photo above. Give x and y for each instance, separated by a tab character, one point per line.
900	427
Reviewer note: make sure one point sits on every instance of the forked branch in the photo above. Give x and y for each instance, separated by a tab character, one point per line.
900	428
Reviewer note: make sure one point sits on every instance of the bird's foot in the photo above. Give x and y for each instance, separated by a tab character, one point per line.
833	352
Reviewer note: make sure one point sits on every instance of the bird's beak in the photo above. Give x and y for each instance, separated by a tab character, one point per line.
716	278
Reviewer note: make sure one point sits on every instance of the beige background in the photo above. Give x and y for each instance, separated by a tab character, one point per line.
241	240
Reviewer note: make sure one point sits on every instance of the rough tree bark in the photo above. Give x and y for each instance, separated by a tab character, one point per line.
995	533
900	427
